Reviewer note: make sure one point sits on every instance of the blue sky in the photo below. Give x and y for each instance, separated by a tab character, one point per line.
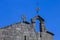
11	11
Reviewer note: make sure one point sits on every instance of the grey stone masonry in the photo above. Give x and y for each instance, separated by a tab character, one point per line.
26	31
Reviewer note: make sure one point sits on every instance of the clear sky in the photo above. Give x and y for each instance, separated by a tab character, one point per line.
11	11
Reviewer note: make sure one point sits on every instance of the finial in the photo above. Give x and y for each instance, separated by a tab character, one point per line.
23	18
37	8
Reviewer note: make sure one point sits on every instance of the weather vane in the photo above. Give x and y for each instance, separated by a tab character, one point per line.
37	8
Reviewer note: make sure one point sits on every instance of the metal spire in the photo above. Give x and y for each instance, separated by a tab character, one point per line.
37	8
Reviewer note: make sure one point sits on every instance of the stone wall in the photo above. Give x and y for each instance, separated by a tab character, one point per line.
17	32
22	31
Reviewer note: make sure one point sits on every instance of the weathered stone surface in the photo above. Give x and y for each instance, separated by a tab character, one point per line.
24	31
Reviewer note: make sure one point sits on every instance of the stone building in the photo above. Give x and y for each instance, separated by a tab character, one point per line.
26	31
